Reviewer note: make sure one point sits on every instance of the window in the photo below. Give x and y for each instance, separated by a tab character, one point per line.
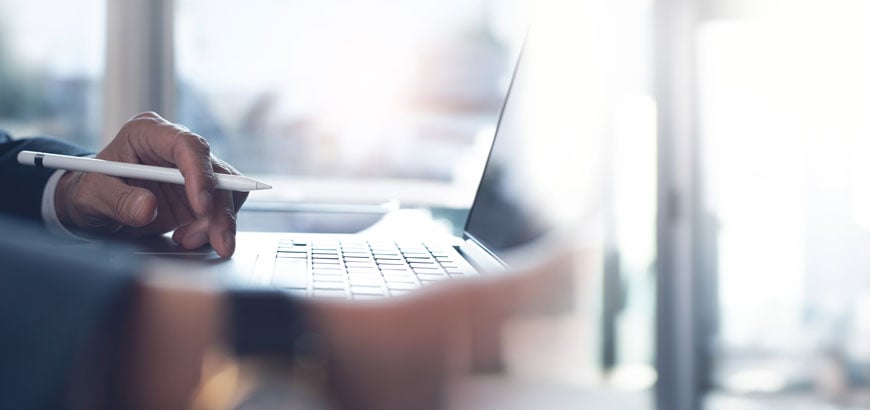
361	90
52	67
785	146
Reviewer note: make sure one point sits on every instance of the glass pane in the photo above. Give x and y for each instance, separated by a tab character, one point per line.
784	125
374	89
51	68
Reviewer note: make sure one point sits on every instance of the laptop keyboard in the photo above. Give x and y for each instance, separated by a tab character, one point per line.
361	269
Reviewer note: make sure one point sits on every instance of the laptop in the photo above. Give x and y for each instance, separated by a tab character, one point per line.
520	198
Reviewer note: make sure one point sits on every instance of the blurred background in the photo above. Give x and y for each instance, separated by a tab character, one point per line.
729	143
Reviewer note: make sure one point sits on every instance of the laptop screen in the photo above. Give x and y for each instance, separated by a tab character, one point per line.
536	178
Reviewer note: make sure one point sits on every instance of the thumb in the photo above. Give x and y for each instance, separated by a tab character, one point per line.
128	205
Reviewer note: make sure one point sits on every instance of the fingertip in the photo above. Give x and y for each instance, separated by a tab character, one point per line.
194	240
229	244
144	209
179	234
223	241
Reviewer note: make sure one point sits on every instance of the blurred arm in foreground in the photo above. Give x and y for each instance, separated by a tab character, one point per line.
123	335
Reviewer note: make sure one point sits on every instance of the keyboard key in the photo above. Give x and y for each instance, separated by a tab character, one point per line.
325	293
356	281
419	270
331	251
326	267
367	290
396	267
357	254
292	255
368	297
402	279
328	285
385	253
402	286
334	277
409	255
427	276
391	262
430	265
359	264
364	275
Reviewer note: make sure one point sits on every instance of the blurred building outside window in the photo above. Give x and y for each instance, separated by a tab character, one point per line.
51	68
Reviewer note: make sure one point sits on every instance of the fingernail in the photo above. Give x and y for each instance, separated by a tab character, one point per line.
139	205
205	201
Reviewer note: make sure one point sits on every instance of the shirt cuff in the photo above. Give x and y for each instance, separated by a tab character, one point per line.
49	213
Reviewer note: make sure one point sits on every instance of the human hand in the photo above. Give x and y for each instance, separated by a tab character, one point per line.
401	353
197	212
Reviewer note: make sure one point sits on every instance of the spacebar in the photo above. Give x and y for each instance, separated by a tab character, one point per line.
290	273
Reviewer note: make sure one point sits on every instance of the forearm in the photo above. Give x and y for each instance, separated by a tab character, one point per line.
180	317
173	325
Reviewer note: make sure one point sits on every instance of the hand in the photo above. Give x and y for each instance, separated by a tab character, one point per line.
400	353
393	354
197	212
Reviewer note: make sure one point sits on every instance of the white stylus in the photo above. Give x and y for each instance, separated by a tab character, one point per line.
134	171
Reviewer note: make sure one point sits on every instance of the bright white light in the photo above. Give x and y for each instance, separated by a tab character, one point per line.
756	381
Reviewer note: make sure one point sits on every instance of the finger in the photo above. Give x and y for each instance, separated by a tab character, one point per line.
180	233
239	198
222	224
111	198
172	143
222	219
197	234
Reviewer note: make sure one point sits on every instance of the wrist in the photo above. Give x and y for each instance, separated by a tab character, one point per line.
266	323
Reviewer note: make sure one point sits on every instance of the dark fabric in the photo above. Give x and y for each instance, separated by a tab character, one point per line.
21	186
264	322
57	301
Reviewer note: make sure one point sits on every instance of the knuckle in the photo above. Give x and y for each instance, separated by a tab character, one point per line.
209	180
142	124
198	143
221	168
88	179
151	115
229	216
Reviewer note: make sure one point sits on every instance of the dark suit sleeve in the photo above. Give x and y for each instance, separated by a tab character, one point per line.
62	314
21	186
